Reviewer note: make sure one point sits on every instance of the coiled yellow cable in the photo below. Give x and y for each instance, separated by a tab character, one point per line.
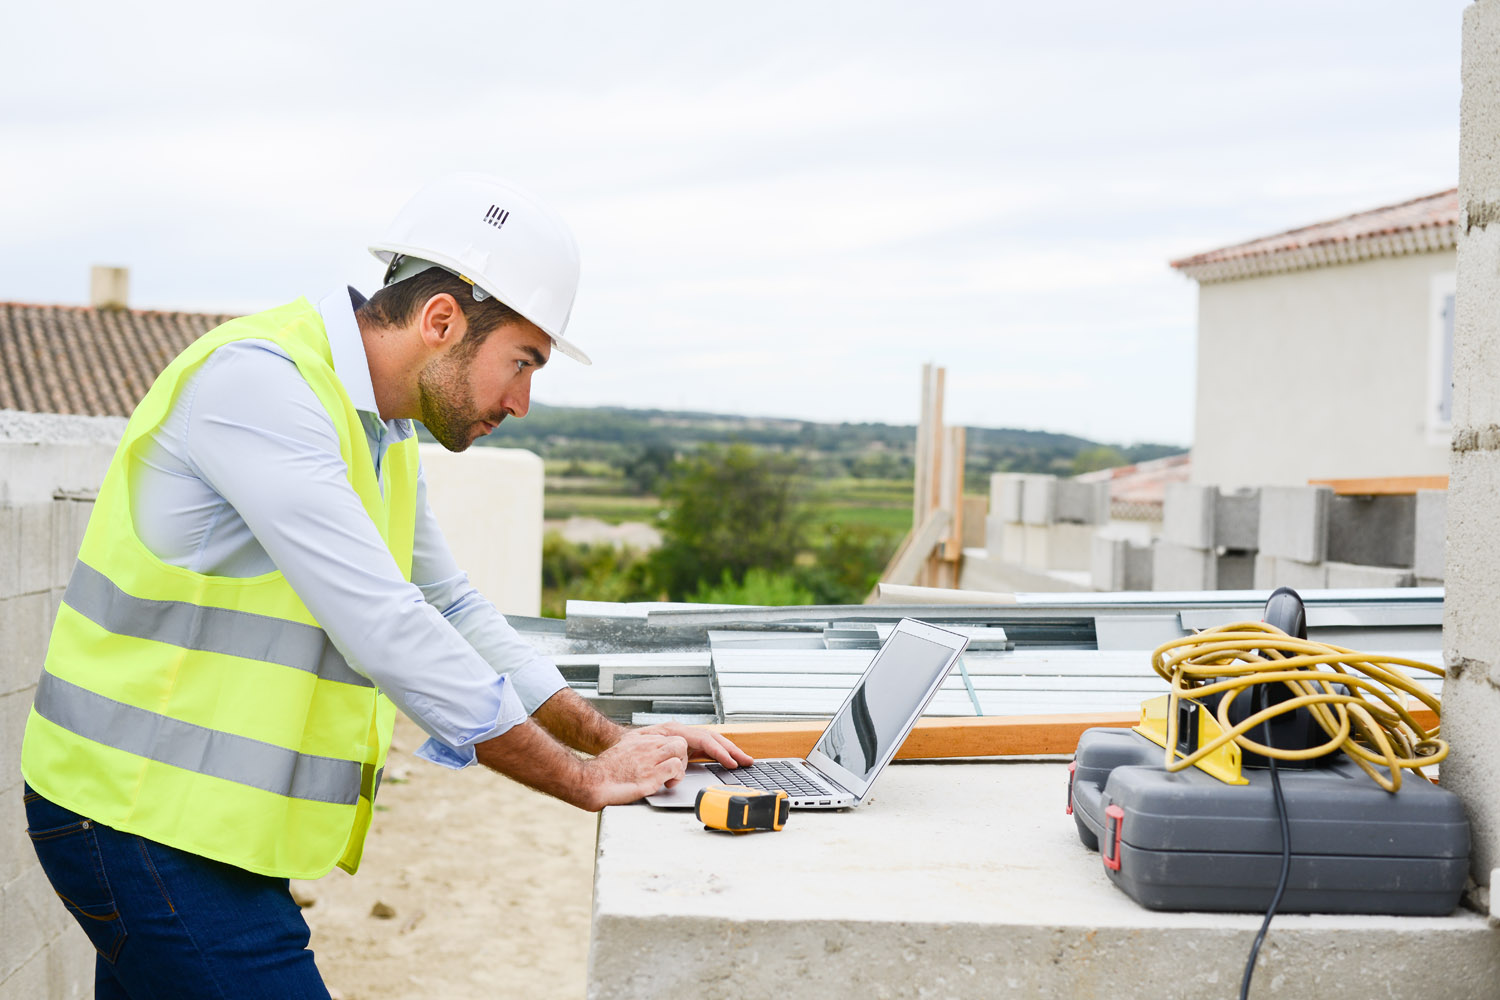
1371	723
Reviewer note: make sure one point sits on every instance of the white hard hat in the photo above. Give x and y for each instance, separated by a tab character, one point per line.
497	237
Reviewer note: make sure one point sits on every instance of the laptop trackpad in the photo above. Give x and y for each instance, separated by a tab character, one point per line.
683	794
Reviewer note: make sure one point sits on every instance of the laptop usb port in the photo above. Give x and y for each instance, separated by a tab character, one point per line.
825	802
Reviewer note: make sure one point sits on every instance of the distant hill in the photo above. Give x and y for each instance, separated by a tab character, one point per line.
619	436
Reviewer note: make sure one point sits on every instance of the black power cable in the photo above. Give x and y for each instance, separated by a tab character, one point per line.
1286	867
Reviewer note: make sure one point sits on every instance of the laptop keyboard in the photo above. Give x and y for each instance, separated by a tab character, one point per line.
771	775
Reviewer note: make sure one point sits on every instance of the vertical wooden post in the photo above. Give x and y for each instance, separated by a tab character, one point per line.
937	497
920	461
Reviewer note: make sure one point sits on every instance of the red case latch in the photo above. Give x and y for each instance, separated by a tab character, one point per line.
1072	772
1118	815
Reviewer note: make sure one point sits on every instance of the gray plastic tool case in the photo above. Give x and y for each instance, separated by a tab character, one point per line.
1187	841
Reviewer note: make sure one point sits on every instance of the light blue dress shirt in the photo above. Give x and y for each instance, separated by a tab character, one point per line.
244	477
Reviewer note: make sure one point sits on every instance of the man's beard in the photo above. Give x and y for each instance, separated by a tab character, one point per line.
448	410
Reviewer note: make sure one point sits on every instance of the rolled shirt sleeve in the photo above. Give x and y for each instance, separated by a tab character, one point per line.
279	466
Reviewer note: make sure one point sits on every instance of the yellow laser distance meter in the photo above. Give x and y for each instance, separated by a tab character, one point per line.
741	810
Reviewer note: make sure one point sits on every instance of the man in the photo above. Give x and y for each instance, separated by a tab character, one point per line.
262	584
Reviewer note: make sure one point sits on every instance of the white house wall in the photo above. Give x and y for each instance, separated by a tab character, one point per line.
1323	373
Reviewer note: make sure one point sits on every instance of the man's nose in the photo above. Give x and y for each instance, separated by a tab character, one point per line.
518	398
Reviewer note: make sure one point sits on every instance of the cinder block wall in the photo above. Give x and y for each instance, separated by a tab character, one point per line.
50	468
1471	625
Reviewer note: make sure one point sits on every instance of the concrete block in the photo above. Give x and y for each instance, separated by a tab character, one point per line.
1372	531
1005	495
1348	575
1294	522
1237	521
16	854
1471	626
1082	503
1119	565
1277	571
1058	547
42	454
25	628
1429	534
1107	563
24	921
1013	543
1188	515
30	980
1180	567
1039	500
70	518
14	708
1234	570
34	569
70	965
10	551
975	511
1479	113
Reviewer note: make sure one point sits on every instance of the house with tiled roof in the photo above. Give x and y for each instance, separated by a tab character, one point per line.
1325	352
96	360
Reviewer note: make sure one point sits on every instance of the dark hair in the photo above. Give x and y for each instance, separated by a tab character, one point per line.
397	305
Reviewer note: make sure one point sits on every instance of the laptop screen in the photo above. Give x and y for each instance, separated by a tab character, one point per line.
861	735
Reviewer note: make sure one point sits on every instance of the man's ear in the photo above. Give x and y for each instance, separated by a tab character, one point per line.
441	322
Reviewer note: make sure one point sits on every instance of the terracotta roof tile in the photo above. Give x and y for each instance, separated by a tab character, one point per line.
88	362
1417	226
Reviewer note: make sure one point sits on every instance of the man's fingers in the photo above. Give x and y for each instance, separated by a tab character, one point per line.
721	749
704	743
735	753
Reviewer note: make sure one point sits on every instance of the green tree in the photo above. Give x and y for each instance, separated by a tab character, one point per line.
760	587
847	563
729	510
646	469
1098	457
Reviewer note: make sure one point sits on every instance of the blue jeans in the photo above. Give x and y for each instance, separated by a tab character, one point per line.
168	924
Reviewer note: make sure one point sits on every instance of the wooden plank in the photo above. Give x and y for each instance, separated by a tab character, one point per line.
953	500
908	563
923	450
1382	485
998	736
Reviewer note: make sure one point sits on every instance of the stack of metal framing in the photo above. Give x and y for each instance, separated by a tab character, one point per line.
1045	654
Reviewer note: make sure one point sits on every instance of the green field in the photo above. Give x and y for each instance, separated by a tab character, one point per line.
881	504
559	506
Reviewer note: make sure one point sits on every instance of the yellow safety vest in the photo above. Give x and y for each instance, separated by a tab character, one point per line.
212	713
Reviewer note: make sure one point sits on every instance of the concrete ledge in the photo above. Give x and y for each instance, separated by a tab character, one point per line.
963	880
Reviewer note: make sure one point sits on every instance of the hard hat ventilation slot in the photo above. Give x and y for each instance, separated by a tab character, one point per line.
496	216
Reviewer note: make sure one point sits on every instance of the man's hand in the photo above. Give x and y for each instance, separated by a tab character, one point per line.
639	764
702	743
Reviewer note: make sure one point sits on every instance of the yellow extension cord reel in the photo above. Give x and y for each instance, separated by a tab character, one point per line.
1229	681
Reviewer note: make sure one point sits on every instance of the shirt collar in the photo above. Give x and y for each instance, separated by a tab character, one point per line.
350	362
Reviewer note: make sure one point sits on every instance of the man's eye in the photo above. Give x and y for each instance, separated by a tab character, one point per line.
521	365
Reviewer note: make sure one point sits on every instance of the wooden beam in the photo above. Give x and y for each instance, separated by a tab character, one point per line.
921	457
909	560
953	499
1382	485
990	736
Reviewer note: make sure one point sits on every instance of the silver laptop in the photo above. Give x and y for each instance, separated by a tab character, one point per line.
863	735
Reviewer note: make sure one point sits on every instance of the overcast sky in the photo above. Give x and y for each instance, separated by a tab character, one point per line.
784	209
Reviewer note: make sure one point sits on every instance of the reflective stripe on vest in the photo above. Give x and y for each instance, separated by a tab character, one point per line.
207	751
212	713
209	630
